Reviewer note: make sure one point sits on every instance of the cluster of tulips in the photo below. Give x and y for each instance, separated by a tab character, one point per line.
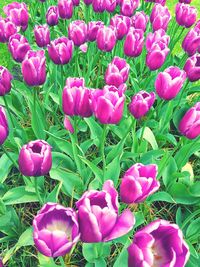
56	229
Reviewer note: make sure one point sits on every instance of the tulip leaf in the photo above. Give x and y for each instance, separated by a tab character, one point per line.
95	129
161	196
6	165
113	170
149	137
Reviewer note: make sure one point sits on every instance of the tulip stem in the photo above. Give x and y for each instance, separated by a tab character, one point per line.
37	190
9	113
10	158
181	95
102	148
62	261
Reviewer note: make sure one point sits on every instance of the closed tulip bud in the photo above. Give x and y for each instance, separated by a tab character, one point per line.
121	25
106	38
192	68
65	9
141	103
92	30
191	42
169	82
77	31
153	245
3	126
34	68
35	158
7	29
98	212
140	20
18	14
190	123
55	230
99	6
52	16
117	72
68	126
128	7
84	47
110	5
60	50
18	47
134	42
162	2
42	35
159	35
160	17
5	81
87	2
76	98
185	1
186	15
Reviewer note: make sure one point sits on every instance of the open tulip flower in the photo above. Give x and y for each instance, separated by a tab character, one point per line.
18	46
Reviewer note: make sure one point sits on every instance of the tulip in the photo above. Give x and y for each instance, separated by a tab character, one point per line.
134	42
42	35
60	50
5	81
68	126
77	31
140	20
76	2
106	38
99	218
160	243
186	15
141	103
35	158
121	25
192	68
99	6
52	16
92	30
159	35
55	230
169	82
34	68
185	1
128	7
160	17
7	29
110	5
1	263
76	98
191	42
108	105
189	125
84	47
18	14
65	9
117	72
18	46
87	2
3	126
162	2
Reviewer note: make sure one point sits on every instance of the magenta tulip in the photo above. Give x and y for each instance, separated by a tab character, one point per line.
7	29
87	2
52	16
5	81
162	2
99	6
192	68
106	38
18	47
134	42
140	20
110	5
65	9
92	30
4	130
121	25
185	1
160	17
76	2
128	7
42	35
191	42
157	36
68	126
186	15
77	31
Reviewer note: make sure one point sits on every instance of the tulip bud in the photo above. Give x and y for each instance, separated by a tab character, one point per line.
162	2
65	9
186	15
121	25
98	211
134	42
34	68
192	68
7	29
106	38
18	47
4	130
159	35
35	158
84	47
68	126
5	81
60	50
99	6
42	35
77	31
185	1
140	20
141	103
92	30
152	246
160	17
190	123
110	5
52	16
55	230
18	14
76	98
191	42
128	7
169	82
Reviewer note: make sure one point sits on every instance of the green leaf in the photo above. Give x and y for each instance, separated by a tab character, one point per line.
38	122
150	138
113	170
46	261
161	196
6	165
195	189
98	172
100	262
169	170
122	259
95	129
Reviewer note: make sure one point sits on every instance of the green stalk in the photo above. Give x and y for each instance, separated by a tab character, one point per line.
102	148
62	261
181	95
37	190
9	112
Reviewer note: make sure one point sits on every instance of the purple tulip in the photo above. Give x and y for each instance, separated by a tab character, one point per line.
110	5
160	243
35	158
99	218
160	17
87	2
77	31
134	42
60	50
186	15
190	123
159	35
4	130
84	47
52	16
68	126
128	7
191	42
76	2
141	103
1	263
106	38
169	82
18	46
55	230
34	68
121	25
7	29
65	9
162	2
76	98
5	81
92	30
99	6
138	183
42	35
117	72
185	1
108	104
140	20
192	68
18	14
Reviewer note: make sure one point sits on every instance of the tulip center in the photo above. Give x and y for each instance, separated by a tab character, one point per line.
158	255
36	148
60	226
